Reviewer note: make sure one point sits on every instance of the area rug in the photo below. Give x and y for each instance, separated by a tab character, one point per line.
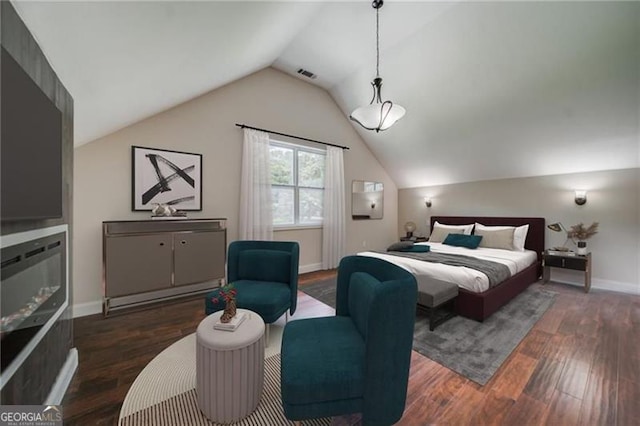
473	349
164	393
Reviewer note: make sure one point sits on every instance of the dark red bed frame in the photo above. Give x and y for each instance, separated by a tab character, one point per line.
479	306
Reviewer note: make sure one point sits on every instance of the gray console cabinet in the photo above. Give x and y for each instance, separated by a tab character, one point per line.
151	260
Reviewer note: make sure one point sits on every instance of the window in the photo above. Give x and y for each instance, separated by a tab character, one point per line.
297	184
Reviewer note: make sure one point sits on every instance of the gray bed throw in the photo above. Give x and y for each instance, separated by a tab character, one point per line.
496	272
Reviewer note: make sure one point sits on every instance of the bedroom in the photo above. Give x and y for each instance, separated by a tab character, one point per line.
548	159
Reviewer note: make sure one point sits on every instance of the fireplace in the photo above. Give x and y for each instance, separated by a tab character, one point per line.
33	291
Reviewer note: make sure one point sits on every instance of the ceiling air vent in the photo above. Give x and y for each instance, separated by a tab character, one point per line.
307	74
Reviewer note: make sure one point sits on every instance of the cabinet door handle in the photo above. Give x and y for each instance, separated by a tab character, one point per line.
183	242
161	244
563	263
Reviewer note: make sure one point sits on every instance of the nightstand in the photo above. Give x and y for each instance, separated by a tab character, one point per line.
575	262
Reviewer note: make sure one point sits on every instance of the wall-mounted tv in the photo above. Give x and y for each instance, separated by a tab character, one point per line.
30	147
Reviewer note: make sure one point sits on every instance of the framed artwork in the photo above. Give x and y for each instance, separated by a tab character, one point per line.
160	176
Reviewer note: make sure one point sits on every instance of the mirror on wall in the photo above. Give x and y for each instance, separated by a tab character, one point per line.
367	199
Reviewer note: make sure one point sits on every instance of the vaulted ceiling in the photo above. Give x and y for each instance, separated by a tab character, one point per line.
492	89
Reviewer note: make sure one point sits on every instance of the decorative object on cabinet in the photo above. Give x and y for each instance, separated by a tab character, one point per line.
171	178
163	210
150	260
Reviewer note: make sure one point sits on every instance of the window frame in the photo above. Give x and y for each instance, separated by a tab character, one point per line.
296	187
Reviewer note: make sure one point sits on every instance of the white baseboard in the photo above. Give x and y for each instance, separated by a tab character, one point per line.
309	268
63	379
89	308
600	284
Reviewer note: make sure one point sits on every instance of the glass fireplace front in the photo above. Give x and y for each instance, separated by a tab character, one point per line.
32	290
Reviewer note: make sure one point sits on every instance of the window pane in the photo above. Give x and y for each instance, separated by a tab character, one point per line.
281	165
310	169
311	205
283	206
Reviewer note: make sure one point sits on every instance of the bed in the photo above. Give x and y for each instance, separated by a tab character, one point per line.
477	301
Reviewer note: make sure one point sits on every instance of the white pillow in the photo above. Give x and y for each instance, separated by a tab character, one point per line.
519	233
466	229
440	231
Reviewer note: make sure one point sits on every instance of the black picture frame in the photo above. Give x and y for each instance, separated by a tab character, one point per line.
162	176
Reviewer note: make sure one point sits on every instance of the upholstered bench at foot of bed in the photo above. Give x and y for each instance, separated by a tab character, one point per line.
434	296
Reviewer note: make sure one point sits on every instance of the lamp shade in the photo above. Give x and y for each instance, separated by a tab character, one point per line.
409	226
556	227
378	116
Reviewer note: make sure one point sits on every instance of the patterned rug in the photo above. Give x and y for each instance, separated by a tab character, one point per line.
473	349
164	392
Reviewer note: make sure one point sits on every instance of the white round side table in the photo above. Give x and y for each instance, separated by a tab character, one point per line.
229	367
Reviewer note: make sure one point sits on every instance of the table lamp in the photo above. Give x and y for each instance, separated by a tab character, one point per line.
558	227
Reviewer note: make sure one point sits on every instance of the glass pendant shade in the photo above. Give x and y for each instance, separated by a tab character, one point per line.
377	115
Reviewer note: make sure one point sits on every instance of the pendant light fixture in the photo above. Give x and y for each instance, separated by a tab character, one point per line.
378	115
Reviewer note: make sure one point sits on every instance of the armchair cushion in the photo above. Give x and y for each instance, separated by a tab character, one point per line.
324	359
264	265
268	299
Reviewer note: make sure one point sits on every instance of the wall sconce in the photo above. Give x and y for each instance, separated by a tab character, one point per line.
581	197
427	201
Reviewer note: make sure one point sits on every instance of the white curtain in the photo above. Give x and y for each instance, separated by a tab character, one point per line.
256	217
333	226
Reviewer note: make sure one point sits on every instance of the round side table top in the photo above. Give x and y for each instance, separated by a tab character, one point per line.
248	332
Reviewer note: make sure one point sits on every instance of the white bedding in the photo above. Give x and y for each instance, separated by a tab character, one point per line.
467	278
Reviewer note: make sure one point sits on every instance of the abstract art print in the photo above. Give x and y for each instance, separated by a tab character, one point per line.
166	177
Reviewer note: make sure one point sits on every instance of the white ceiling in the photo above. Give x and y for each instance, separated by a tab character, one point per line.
492	89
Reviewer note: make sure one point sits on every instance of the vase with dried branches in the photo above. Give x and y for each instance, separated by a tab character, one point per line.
582	234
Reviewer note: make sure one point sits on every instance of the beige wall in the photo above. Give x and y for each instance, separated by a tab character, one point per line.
268	99
612	200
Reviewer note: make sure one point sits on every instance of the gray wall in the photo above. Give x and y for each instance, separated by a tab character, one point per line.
33	380
268	99
612	200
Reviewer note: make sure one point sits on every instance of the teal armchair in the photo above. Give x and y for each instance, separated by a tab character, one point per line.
265	273
357	361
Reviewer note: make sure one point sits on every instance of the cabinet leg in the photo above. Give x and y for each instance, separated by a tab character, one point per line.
587	274
587	279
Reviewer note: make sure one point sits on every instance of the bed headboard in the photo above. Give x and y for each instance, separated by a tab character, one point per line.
535	236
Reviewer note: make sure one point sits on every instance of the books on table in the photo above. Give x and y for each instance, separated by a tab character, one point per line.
231	325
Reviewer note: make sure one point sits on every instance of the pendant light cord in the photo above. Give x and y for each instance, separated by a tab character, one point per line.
377	42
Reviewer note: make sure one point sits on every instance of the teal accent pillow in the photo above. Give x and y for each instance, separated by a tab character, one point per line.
422	248
460	240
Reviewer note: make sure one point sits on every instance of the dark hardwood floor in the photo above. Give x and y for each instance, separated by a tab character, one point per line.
580	365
